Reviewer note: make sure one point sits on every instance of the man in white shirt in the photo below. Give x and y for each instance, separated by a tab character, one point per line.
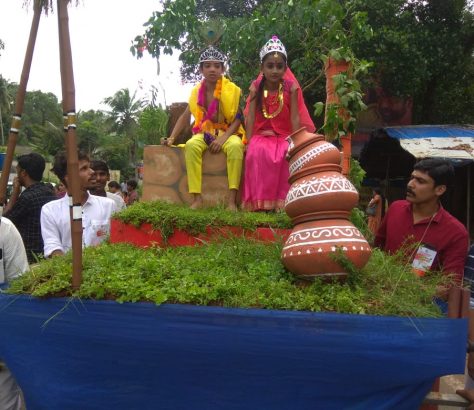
55	215
13	262
102	176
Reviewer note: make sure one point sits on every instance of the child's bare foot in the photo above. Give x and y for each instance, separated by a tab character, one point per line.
231	202
197	202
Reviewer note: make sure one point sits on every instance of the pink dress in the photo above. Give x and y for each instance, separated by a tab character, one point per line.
266	168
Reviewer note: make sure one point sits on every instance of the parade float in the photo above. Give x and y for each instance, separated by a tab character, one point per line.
222	324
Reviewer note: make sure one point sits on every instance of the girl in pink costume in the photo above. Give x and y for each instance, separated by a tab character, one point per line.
275	108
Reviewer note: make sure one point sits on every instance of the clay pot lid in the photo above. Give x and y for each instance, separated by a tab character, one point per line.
313	169
302	140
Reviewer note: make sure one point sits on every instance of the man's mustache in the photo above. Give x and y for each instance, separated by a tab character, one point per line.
409	191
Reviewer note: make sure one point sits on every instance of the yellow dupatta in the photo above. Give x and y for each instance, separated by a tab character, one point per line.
228	105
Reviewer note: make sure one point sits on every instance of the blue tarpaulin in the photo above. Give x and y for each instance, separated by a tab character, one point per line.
430	131
105	355
452	142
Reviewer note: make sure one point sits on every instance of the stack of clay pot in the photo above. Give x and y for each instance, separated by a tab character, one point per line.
319	203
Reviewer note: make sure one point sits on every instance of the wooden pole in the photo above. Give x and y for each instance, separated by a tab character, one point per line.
19	103
68	89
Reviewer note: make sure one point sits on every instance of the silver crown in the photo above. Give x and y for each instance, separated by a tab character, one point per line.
272	45
212	54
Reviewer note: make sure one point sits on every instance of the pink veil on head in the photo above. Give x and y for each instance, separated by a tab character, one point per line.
305	118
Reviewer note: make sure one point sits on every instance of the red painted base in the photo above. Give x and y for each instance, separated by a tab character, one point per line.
146	236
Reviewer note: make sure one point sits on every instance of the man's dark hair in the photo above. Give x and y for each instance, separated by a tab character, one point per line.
33	164
99	165
115	184
60	163
132	183
441	170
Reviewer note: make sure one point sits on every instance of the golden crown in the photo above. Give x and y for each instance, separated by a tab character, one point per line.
272	45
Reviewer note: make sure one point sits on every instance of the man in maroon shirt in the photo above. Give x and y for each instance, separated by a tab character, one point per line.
441	240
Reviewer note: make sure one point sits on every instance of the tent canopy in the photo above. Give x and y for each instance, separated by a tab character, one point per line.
391	151
453	142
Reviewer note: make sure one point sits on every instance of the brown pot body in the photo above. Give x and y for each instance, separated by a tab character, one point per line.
317	152
310	249
318	189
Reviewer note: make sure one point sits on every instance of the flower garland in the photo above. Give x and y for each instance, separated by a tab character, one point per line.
201	118
279	99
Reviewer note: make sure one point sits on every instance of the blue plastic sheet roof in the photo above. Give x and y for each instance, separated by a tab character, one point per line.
453	142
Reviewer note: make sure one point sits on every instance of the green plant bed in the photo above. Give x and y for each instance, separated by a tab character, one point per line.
167	217
232	273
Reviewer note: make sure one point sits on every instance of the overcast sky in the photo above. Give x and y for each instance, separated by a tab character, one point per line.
101	35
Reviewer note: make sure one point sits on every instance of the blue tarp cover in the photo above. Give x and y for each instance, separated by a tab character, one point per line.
105	355
430	131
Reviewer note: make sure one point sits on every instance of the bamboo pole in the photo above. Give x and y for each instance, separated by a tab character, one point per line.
19	103
68	89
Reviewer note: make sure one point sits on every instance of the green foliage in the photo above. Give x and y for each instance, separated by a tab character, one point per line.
124	113
422	49
358	218
153	125
178	27
340	118
166	217
356	174
232	273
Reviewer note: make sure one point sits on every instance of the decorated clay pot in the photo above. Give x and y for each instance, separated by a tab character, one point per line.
300	139
311	247
317	152
320	191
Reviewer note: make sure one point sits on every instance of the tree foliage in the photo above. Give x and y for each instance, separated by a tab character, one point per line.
420	48
124	113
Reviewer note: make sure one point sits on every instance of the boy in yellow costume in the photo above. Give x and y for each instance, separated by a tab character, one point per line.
214	104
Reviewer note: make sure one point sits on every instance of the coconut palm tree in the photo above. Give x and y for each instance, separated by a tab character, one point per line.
125	111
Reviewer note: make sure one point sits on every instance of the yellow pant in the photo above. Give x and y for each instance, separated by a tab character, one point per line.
195	147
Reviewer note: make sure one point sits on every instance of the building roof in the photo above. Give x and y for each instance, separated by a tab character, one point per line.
454	142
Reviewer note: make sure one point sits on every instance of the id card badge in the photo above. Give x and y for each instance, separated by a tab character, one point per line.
424	258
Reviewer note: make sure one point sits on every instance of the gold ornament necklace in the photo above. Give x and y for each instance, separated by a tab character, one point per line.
279	99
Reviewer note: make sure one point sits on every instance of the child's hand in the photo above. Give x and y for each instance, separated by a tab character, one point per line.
216	145
167	142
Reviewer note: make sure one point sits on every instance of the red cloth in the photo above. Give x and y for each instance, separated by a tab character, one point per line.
446	235
281	124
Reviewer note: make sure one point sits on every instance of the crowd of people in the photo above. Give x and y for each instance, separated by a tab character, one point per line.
40	211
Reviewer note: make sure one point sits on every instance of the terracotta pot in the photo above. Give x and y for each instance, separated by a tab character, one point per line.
318	152
320	189
300	139
310	249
